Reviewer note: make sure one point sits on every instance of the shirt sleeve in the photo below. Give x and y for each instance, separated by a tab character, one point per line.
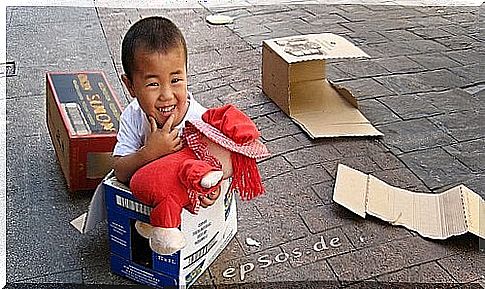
129	137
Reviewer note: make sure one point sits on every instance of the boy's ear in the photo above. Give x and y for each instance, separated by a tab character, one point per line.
129	85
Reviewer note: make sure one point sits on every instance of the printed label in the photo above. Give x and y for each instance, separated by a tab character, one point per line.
89	103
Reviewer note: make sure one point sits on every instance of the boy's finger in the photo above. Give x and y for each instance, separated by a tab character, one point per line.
153	123
174	133
167	127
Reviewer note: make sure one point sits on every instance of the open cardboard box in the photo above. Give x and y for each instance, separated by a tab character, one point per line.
207	234
454	212
294	77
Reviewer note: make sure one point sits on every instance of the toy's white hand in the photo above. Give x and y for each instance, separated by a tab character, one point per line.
211	179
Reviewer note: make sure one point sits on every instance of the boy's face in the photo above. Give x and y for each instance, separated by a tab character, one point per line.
159	82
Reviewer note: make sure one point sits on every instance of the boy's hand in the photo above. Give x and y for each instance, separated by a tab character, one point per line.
162	141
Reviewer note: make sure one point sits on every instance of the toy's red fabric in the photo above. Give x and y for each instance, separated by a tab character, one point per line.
164	185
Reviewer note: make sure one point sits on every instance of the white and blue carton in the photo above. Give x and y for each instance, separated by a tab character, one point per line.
207	234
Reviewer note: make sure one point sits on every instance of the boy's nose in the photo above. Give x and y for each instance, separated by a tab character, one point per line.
165	94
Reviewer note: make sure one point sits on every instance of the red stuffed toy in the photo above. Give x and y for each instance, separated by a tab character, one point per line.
223	144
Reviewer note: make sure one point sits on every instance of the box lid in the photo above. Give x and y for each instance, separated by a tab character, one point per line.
314	47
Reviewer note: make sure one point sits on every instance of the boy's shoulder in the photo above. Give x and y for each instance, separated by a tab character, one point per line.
133	108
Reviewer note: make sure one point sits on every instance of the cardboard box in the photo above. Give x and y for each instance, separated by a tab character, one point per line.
207	234
83	119
454	212
293	76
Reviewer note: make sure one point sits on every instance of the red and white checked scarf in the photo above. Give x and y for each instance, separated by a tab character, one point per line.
246	178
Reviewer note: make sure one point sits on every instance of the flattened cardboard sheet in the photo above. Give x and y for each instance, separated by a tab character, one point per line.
294	78
454	212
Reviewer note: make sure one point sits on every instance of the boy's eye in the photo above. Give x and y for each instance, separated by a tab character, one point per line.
175	80
152	84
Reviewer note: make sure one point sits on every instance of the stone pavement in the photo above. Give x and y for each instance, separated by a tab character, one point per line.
421	88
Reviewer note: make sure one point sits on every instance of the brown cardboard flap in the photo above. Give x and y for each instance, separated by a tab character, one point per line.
439	216
314	47
322	111
351	190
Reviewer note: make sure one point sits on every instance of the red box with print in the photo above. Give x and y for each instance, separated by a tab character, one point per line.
83	116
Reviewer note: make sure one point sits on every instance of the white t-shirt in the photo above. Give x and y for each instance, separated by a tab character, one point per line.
135	128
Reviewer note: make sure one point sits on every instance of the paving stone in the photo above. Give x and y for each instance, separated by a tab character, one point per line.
72	277
462	125
334	74
368	37
413	135
366	88
451	100
232	251
470	73
22	122
273	167
430	32
358	146
272	231
401	178
457	42
33	15
376	112
263	122
312	155
204	280
283	145
400	64
386	258
362	68
434	61
32	45
316	275
245	98
248	269
382	24
279	130
371	231
323	218
386	160
324	191
436	168
425	273
470	153
207	61
317	247
286	195
410	106
251	82
400	35
465	57
210	98
262	110
362	163
465	267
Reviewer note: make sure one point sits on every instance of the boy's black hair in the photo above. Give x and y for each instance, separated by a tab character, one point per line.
152	34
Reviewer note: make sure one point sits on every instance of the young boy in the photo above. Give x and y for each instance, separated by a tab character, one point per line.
154	58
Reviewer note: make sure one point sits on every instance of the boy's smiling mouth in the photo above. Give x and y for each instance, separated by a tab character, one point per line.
166	109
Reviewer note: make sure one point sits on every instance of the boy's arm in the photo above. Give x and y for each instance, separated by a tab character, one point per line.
160	142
